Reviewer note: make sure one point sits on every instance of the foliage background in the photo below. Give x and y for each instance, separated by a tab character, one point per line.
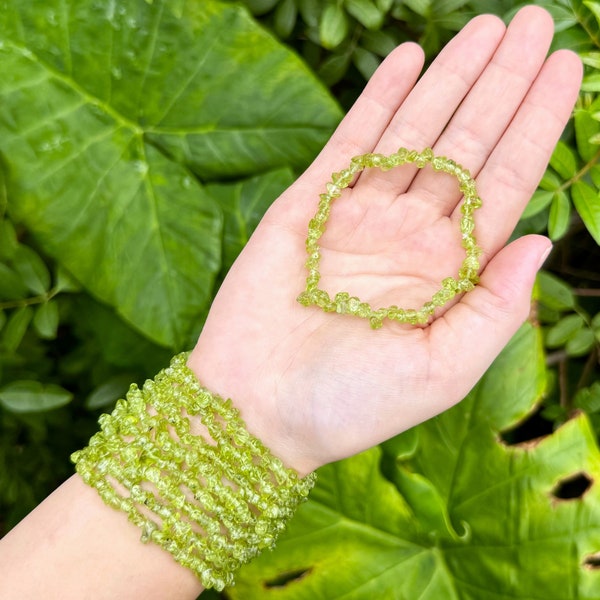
124	199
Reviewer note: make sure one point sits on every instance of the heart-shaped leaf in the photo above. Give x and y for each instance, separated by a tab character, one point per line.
112	115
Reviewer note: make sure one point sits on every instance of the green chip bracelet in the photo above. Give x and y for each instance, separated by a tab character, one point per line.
343	302
212	503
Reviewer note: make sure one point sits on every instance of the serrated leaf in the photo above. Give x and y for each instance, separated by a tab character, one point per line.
538	202
566	328
356	538
563	160
587	203
33	396
32	269
560	215
45	320
554	292
333	27
15	328
365	12
580	343
111	117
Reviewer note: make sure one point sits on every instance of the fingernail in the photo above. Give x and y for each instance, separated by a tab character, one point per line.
544	256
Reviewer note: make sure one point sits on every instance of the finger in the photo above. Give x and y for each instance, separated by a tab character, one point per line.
516	165
364	124
428	108
491	104
477	328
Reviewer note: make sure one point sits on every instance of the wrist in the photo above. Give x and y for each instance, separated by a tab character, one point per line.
258	408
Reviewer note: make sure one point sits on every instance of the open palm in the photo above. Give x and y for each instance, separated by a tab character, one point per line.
318	387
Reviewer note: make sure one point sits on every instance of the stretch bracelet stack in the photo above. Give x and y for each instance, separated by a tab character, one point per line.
212	503
343	302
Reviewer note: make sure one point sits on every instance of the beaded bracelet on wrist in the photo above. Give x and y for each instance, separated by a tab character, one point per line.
212	503
343	302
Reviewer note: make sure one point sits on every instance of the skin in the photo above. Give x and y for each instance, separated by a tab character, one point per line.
319	387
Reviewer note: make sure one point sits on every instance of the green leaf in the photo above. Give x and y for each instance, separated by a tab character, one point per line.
564	161
11	284
366	62
310	11
244	203
591	83
445	7
357	537
580	343
550	181
587	203
8	239
554	292
108	392
591	59
365	12
594	8
334	67
586	127
588	399
15	328
560	215
260	7
421	7
285	18
333	27
64	281
109	120
32	269
46	319
384	5
562	331
379	42
33	396
539	201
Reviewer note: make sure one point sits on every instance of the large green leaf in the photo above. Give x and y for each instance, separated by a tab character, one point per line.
112	116
471	517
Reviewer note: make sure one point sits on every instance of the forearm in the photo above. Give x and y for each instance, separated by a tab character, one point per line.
73	546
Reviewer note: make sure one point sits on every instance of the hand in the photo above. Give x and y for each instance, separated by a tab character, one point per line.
318	387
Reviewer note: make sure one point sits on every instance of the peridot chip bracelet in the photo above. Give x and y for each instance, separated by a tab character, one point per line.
343	302
212	503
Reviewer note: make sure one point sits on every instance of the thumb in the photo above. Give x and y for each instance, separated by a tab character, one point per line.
482	323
